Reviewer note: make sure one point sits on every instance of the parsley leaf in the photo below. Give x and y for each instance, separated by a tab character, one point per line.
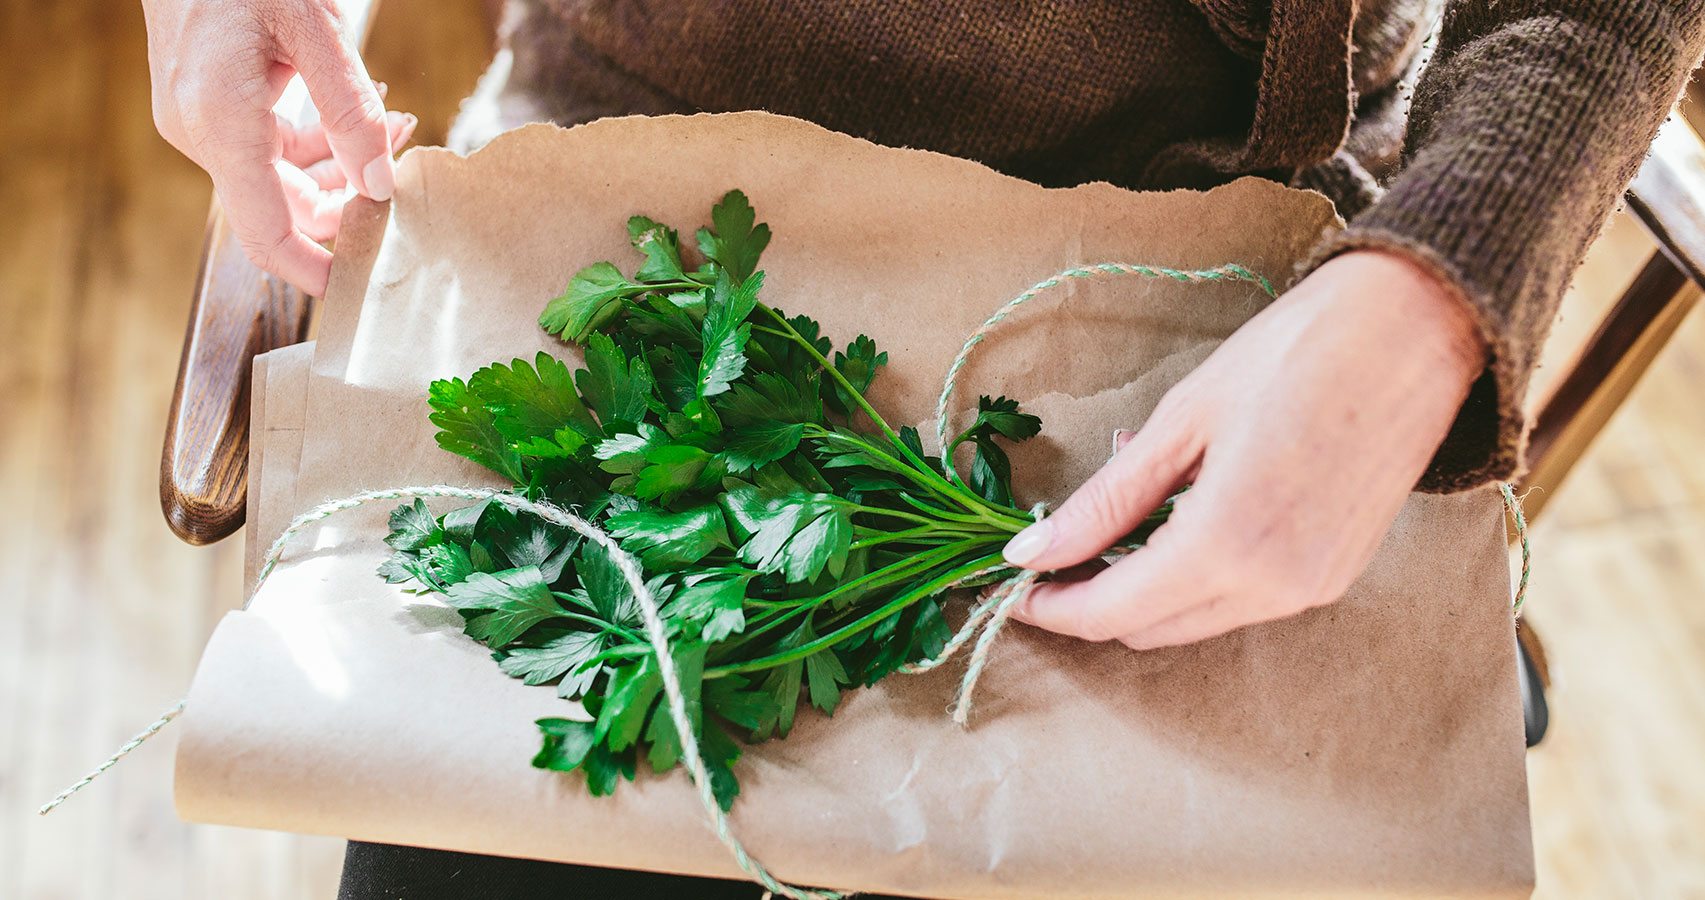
531	401
412	527
858	365
593	296
617	388
798	535
662	249
505	604
557	657
726	333
1002	417
715	602
736	243
668	541
466	427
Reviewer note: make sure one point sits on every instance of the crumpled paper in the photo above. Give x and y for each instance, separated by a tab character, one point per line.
1372	747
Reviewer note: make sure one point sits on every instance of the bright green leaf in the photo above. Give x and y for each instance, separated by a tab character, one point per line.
467	428
517	599
593	296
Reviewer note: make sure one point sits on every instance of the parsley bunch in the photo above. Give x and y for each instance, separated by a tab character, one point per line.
797	544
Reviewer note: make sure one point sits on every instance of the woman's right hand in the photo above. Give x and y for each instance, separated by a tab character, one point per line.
218	66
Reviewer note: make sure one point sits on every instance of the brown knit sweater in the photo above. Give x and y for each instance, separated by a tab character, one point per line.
1525	127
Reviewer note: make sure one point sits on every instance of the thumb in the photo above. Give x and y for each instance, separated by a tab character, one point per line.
1139	477
351	110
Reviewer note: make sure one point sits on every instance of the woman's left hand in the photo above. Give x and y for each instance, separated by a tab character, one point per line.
1300	436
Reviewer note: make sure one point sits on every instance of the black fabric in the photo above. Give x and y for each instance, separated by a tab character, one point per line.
386	872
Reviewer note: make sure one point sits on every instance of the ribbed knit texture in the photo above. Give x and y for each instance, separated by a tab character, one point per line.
1527	125
1529	122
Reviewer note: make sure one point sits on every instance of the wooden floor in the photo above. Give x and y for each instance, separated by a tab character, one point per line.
104	613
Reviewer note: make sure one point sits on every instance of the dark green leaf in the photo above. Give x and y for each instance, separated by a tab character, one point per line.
1001	416
858	366
660	732
991	472
606	589
735	243
604	768
726	333
624	454
618	389
738	700
459	523
674	469
667	541
759	445
555	658
633	688
527	540
798	535
767	398
565	744
715	602
662	249
720	754
448	564
412	527
824	677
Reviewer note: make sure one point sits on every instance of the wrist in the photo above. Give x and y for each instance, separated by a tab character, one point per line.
1435	309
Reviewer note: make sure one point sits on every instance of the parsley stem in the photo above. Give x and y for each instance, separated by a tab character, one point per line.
927	478
891	513
886	575
878	538
793	654
595	622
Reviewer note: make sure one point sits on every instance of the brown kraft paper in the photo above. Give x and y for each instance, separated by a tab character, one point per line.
1371	748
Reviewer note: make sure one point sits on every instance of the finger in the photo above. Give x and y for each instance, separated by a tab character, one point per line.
302	145
329	175
314	210
1199	623
306	145
1149	586
258	211
246	178
351	111
1139	477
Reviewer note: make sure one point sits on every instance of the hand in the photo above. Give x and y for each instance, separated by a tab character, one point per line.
218	66
1301	436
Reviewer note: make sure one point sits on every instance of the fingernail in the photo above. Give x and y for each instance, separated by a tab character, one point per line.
1029	544
382	88
1121	437
380	177
404	131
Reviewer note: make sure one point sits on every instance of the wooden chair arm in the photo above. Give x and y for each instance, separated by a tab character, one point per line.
237	312
1668	197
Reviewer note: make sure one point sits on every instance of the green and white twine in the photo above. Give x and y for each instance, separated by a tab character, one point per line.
985	621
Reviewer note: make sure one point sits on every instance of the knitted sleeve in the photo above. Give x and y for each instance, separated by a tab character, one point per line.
1528	124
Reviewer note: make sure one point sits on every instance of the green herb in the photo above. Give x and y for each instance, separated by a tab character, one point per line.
799	545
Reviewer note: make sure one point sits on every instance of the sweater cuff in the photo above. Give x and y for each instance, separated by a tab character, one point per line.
1522	135
1489	436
